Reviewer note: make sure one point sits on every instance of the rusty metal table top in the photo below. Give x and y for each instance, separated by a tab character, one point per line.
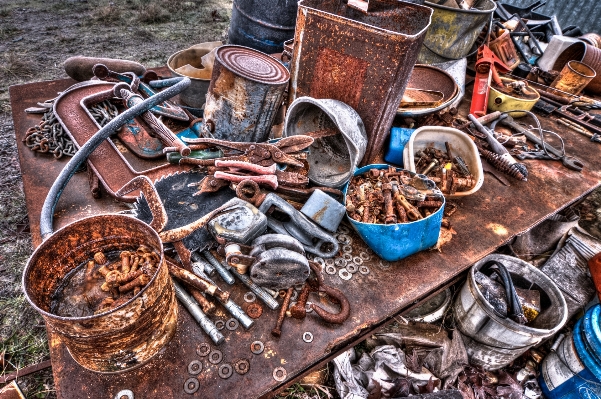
484	221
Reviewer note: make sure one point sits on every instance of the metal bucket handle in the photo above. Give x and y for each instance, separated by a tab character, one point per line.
47	214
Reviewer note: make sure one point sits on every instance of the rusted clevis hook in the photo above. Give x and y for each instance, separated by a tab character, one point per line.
336	294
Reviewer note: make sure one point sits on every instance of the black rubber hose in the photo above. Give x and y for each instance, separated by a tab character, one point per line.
46	217
516	312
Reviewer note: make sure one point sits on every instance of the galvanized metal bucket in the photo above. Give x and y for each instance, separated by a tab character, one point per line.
262	24
492	341
454	31
393	242
332	159
363	59
122	338
246	91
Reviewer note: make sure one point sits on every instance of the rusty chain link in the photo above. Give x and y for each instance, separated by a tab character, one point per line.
48	136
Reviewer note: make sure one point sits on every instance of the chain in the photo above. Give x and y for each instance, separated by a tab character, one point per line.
49	137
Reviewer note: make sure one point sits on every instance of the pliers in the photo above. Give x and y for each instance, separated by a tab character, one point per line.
263	154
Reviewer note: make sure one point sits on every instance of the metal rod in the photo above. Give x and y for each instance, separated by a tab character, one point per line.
235	310
259	292
208	268
205	323
221	269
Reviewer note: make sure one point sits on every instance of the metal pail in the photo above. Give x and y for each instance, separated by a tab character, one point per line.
363	59
124	337
262	24
586	54
397	241
454	31
246	91
492	341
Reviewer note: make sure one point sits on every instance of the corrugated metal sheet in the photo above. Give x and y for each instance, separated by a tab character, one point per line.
583	13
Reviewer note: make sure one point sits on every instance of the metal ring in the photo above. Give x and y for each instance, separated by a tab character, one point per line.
352	268
203	349
344	274
254	310
357	260
225	370
320	261
340	262
241	366
308	307
307	337
344	239
294	295
220	324
330	262
330	269
348	257
125	392
364	255
215	356
257	347
191	385
232	324
363	269
279	374
195	367
250	297
343	229
347	249
384	264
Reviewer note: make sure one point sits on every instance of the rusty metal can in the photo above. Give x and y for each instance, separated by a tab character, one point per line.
363	59
586	54
573	78
125	337
246	91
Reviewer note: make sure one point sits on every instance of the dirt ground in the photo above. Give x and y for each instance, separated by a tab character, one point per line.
35	39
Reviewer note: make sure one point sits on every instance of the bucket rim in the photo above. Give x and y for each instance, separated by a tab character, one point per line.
29	266
364	169
179	74
462	11
541	333
335	17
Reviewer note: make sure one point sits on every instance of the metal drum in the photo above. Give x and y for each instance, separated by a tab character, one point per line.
262	24
246	91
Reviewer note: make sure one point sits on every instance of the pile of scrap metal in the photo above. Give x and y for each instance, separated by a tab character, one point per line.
249	173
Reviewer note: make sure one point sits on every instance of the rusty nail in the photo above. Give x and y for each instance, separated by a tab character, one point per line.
277	331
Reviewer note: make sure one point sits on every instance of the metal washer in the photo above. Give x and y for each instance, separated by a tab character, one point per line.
343	229
308	307
340	262
352	268
363	269
364	255
357	260
191	385
195	367
250	297
241	366
347	249
294	295
279	374
307	337
344	274
384	264
348	257
330	269
344	239
203	349
232	324
257	347
329	262
225	370
215	356
320	261
125	392
220	324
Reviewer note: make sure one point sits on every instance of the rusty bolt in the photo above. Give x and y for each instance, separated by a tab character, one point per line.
99	258
277	331
141	281
298	311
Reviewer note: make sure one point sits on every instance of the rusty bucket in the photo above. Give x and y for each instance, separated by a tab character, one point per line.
246	91
363	59
586	54
122	338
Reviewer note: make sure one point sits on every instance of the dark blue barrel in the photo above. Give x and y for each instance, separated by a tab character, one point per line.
263	24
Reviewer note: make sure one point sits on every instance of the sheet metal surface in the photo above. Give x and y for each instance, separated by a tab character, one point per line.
483	222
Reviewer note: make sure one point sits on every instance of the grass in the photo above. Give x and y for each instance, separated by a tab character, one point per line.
15	65
107	14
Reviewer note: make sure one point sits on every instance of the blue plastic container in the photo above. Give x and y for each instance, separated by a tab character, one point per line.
568	375
399	136
394	242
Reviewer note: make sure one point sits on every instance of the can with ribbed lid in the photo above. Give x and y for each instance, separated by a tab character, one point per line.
246	91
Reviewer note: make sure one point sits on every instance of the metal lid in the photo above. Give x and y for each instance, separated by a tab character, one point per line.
252	64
